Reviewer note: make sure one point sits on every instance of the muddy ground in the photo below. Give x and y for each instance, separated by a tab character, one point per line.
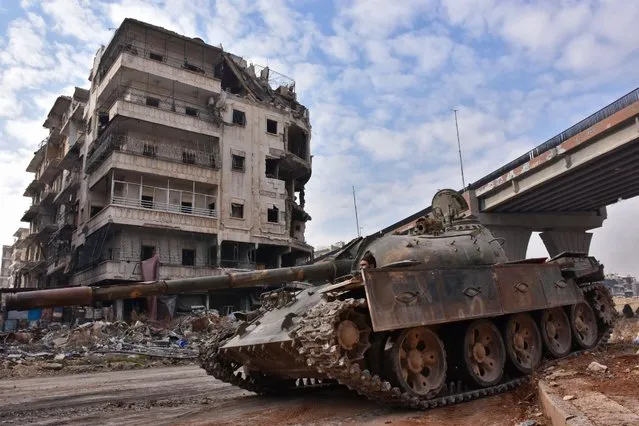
187	396
125	390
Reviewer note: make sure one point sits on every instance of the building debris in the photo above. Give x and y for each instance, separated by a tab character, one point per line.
54	345
595	367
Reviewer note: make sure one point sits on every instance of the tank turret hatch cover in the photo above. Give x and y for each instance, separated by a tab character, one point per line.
448	205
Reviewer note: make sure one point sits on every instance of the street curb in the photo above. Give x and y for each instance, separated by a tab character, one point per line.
560	412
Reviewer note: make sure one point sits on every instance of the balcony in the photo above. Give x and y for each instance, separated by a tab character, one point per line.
69	189
31	212
136	212
33	188
71	158
38	156
148	156
42	227
51	169
47	196
137	62
77	109
165	110
58	258
129	270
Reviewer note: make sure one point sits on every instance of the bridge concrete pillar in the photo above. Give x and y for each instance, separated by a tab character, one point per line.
558	241
515	240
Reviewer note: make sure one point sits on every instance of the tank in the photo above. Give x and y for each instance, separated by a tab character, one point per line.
434	317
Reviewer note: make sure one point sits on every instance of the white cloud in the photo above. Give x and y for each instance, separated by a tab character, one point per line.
374	18
26	43
75	18
379	79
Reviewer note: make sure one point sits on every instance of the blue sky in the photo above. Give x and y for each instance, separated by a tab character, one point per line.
380	80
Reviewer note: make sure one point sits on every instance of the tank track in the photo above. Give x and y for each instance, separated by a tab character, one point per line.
315	339
315	343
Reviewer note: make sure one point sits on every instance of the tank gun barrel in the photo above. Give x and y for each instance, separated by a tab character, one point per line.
86	295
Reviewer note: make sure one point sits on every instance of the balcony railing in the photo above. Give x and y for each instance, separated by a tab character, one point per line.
69	186
164	207
159	101
51	168
149	148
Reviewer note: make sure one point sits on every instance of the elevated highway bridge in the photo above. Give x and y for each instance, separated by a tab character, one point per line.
560	188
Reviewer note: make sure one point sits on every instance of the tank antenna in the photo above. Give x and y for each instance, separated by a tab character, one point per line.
461	164
356	219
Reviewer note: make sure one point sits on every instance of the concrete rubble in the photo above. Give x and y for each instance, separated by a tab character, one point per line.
55	345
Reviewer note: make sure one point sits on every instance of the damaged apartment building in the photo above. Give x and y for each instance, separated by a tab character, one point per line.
179	152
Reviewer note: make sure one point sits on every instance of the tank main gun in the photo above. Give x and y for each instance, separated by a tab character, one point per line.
87	295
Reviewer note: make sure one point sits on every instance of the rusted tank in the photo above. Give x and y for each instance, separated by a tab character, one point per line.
440	316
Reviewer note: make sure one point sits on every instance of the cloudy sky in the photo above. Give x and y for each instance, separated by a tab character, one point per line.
380	79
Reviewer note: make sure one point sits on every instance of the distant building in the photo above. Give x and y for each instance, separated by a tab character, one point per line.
622	286
322	250
5	273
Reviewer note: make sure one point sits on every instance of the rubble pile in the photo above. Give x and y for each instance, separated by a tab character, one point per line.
57	344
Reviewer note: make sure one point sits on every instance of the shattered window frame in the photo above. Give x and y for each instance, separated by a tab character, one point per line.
271	123
238	163
239	117
237	208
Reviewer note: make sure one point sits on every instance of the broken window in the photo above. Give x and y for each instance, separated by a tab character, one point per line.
186	207
188	157
147	201
191	111
95	210
149	150
271	126
188	257
146	252
239	117
272	165
230	82
237	210
192	67
156	57
273	215
103	121
297	140
154	102
238	162
212	256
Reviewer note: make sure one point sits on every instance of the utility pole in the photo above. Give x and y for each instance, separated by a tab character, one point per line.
356	219
461	164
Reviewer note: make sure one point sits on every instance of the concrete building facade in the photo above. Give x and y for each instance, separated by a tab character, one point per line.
178	150
5	267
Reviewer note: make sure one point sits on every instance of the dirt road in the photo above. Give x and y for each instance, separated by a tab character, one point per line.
186	396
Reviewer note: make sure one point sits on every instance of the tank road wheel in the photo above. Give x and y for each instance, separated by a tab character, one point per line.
523	342
484	353
555	332
353	333
584	325
418	362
